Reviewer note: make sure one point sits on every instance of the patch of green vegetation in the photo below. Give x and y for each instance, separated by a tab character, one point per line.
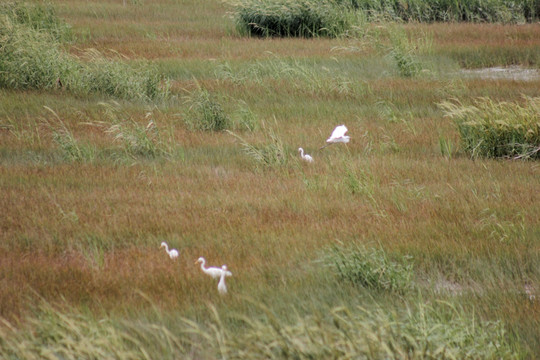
371	267
304	18
451	10
205	112
31	57
498	129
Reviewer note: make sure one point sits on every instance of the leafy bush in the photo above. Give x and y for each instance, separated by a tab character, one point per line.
304	18
371	268
501	129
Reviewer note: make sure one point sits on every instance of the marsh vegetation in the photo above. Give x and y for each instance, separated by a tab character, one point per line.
127	124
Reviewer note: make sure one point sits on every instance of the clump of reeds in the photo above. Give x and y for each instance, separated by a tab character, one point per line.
371	267
71	148
304	18
451	10
31	57
269	154
138	140
40	17
114	77
205	112
497	129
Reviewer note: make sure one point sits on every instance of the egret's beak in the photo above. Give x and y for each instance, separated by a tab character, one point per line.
196	262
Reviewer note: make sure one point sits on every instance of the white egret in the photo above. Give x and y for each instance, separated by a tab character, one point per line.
173	253
214	272
222	287
338	135
305	157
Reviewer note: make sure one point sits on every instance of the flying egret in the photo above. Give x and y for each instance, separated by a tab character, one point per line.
222	288
214	272
305	157
173	253
338	135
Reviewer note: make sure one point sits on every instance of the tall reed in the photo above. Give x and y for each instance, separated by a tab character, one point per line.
304	18
497	129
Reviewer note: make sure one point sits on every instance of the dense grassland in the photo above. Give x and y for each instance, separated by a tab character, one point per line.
400	244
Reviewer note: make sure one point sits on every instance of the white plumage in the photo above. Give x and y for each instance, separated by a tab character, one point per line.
305	157
173	253
338	135
214	272
222	287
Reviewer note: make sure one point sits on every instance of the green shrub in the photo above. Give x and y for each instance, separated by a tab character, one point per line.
304	18
371	268
490	129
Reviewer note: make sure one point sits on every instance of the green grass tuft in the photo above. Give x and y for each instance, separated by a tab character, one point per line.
498	129
205	112
302	18
371	268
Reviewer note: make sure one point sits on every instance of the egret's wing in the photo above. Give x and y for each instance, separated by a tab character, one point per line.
338	132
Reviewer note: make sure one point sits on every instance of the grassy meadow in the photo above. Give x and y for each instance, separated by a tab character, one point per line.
170	124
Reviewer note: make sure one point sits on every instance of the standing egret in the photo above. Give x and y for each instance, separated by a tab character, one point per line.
214	272
173	253
222	288
338	135
305	157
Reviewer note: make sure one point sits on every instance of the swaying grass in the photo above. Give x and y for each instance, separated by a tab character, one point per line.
501	129
304	18
30	59
67	335
72	149
40	17
138	140
270	154
371	268
451	10
311	78
205	112
440	331
33	58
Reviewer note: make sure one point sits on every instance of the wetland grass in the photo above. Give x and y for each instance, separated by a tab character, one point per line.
80	265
